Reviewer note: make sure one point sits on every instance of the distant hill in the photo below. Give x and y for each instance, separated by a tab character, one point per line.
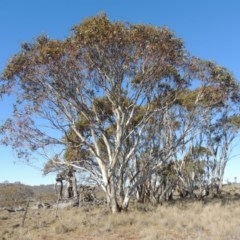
18	193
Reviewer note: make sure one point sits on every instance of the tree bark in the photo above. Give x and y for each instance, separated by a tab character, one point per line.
111	196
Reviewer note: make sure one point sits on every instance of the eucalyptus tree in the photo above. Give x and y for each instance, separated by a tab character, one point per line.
101	92
217	99
222	126
220	137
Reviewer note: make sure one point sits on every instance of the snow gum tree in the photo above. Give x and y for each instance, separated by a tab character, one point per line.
111	97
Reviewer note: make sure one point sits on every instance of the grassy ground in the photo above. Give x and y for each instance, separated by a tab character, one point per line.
216	219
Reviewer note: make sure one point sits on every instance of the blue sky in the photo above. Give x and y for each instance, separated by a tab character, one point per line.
209	28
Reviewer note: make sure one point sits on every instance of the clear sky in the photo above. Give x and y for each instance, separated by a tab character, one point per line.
209	28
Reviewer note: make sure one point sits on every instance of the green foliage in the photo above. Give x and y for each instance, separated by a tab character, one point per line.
235	121
205	97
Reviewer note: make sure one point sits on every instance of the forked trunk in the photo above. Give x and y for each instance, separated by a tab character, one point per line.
112	197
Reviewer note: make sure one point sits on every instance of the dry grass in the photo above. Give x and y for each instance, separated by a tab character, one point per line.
216	220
